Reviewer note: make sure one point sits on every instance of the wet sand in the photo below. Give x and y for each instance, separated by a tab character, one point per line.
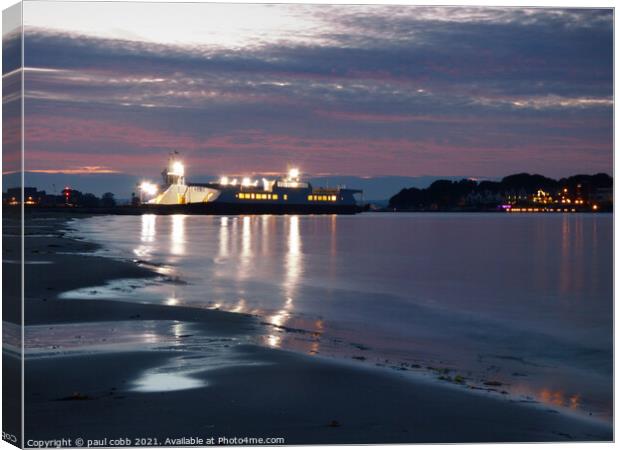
259	392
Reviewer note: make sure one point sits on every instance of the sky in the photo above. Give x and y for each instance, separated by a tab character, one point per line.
366	91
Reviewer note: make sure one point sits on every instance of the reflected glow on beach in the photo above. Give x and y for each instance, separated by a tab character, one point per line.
266	230
177	235
239	307
246	259
315	345
257	237
559	398
223	241
147	236
180	330
293	268
293	256
548	396
148	228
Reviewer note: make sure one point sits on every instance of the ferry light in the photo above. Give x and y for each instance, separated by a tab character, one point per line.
594	207
293	173
148	188
224	181
177	169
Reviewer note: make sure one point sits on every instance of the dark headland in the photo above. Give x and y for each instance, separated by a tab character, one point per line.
517	193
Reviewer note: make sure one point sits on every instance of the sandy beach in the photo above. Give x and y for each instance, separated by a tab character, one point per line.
240	389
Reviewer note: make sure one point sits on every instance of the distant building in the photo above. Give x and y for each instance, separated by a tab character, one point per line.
515	196
542	197
12	196
71	197
32	196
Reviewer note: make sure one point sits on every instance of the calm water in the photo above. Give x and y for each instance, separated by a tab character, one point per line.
521	300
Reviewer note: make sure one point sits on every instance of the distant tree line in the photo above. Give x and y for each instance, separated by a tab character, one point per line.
518	189
89	200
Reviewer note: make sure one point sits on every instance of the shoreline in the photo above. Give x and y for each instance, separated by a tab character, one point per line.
393	421
126	210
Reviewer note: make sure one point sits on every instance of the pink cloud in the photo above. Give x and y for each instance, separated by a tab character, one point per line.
130	148
63	130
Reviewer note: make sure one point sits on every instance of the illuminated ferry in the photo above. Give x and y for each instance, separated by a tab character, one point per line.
244	195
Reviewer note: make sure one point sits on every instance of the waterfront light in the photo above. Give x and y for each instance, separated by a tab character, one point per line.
234	182
224	181
246	182
148	188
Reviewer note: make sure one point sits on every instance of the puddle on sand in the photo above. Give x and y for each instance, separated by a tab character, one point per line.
131	335
113	289
193	351
165	382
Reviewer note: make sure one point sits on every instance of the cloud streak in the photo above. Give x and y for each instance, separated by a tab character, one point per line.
79	170
370	90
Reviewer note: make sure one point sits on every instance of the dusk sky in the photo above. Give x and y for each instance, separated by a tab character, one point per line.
346	90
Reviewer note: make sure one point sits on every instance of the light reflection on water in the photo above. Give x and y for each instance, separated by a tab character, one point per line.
293	269
523	302
177	235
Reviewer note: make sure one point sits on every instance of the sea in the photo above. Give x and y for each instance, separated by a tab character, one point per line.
514	305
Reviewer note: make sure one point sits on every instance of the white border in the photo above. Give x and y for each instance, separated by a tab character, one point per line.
501	3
